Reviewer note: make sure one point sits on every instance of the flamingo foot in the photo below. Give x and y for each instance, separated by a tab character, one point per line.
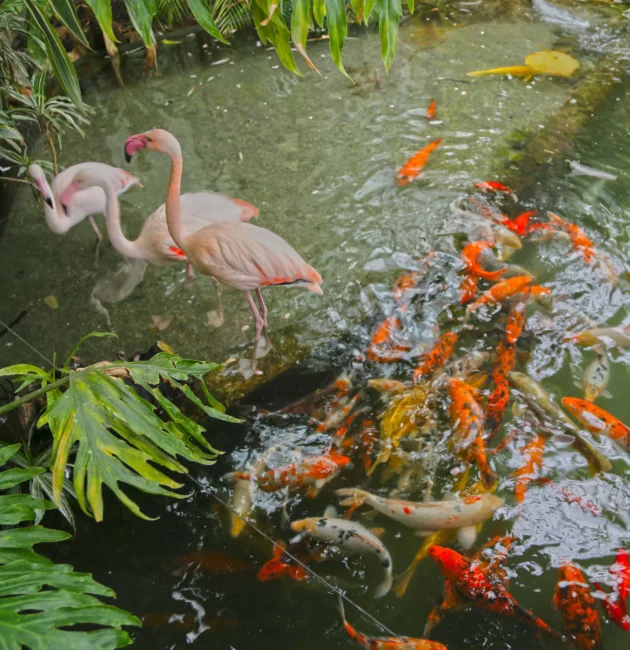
215	318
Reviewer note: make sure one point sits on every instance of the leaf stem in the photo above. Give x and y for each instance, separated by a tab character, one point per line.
11	406
15	180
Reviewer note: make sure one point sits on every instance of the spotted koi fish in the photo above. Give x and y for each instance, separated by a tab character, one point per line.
380	348
481	590
386	643
532	454
412	168
309	474
597	420
515	322
596	376
470	257
579	613
468	288
578	237
614	603
436	357
501	291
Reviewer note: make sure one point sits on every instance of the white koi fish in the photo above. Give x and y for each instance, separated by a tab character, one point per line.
349	536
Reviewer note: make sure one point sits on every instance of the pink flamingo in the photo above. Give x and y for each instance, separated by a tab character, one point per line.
239	255
83	204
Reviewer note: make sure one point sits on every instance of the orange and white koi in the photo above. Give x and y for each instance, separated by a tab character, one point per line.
380	348
367	440
494	186
495	409
412	168
618	335
386	643
614	603
597	420
578	237
470	255
468	288
596	376
387	386
431	110
436	357
480	590
500	291
573	598
309	473
515	322
532	454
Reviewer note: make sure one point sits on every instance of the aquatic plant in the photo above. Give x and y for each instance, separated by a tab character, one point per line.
43	604
107	413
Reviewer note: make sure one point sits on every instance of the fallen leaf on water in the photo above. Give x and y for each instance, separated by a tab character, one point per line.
161	322
168	41
220	61
51	301
559	64
191	91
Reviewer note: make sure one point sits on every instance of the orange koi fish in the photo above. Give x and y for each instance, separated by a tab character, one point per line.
412	168
495	409
576	604
386	643
494	186
468	418
367	440
477	587
579	238
380	348
282	564
432	110
500	291
311	473
615	603
596	420
515	322
468	288
403	284
532	454
520	224
504	362
470	255
436	357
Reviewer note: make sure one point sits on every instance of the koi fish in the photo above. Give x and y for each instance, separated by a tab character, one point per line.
474	584
495	409
243	497
467	365
412	168
432	110
618	335
540	402
311	473
578	237
515	322
500	291
350	536
367	441
596	376
386	385
404	284
436	357
283	564
532	454
380	348
576	604
470	255
586	505
494	186
520	224
615	603
596	420
468	288
386	643
615	610
430	516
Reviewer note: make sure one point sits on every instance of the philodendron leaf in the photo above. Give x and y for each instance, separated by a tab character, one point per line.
64	10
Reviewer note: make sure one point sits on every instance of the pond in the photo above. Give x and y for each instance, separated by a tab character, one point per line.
318	155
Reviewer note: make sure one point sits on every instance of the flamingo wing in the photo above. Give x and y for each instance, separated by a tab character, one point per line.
212	207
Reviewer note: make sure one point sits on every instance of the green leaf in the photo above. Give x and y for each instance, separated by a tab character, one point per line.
23	369
62	67
203	14
103	11
410	5
26	537
141	13
15	476
6	452
276	32
367	11
67	15
301	21
319	11
337	30
16	508
389	12
91	335
358	7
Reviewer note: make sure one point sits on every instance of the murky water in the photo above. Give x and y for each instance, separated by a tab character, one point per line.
318	155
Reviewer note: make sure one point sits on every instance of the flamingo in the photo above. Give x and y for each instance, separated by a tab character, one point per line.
84	204
239	255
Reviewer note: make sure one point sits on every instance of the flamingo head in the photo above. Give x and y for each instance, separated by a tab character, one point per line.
90	175
154	140
39	178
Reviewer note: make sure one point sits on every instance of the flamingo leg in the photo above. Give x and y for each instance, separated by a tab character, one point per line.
260	323
99	238
263	314
190	273
217	287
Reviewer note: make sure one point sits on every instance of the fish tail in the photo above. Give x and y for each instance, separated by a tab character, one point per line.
237	476
355	496
385	587
514	70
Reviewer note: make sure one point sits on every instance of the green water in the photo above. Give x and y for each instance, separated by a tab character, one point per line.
318	156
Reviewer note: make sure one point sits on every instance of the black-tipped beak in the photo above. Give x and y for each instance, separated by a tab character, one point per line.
49	201
65	209
128	157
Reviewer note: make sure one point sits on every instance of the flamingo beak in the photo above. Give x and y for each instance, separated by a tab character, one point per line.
66	197
134	143
49	201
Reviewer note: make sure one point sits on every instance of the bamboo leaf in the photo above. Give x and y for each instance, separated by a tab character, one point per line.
389	12
141	13
358	7
203	14
67	15
337	30
319	11
103	11
275	32
62	67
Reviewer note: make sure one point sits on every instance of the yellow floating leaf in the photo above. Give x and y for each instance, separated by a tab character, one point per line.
553	62
51	301
168	41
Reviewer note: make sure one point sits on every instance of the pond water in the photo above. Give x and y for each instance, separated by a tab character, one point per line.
318	156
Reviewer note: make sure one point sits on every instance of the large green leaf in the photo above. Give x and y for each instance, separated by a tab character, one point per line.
389	12
103	11
337	30
141	13
62	67
203	14
274	31
118	435
64	10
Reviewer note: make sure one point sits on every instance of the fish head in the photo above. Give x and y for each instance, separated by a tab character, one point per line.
339	460
492	502
305	525
448	561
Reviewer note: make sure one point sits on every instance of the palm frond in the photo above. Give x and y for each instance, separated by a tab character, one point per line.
232	15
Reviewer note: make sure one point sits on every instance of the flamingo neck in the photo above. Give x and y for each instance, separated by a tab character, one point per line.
124	246
173	200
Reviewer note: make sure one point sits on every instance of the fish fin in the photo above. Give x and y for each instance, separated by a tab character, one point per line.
330	512
279	549
355	496
425	533
467	536
377	531
341	610
237	476
385	586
